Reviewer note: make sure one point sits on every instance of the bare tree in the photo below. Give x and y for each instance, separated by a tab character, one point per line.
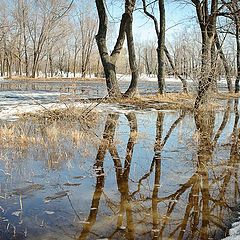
42	24
233	13
109	60
161	49
225	63
207	22
160	31
87	27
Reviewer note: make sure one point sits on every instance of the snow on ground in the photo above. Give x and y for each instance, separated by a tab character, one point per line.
15	103
12	113
153	78
234	232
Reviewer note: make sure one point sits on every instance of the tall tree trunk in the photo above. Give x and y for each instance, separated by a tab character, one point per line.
206	81
74	63
132	90
109	64
2	66
46	68
109	61
161	47
160	32
34	66
238	57
213	76
207	23
51	64
225	63
25	52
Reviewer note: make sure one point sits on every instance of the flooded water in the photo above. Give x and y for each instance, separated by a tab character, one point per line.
129	175
96	88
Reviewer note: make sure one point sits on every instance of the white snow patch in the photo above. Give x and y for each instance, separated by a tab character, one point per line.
12	111
168	79
144	77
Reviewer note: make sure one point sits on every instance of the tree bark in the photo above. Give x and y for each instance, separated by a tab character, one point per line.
132	89
225	63
238	56
207	24
160	32
161	47
108	62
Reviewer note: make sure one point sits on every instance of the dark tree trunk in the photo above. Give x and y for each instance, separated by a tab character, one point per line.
213	76
225	63
132	90
160	32
46	68
109	61
51	64
233	14
34	67
2	67
161	47
26	56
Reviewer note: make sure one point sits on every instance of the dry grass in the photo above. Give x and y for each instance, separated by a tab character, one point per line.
226	95
67	115
55	132
168	101
173	101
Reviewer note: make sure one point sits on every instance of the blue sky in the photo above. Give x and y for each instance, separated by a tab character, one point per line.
179	17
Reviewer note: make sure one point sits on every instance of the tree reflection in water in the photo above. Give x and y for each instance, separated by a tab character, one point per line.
196	210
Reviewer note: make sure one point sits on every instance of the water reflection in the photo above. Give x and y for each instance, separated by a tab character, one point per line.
203	198
171	190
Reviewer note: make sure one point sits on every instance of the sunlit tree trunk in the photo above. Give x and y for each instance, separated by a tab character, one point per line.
207	23
238	56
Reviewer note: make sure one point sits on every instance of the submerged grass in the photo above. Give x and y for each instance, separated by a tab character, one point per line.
50	130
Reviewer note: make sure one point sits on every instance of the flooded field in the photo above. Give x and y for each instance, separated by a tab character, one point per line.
95	88
116	173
